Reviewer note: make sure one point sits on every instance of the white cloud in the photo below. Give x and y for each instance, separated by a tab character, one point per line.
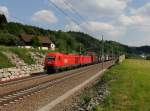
95	26
96	8
61	3
132	20
72	27
90	27
140	16
116	33
4	10
102	8
143	11
135	26
44	16
113	18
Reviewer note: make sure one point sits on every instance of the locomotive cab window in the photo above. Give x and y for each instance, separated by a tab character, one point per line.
50	58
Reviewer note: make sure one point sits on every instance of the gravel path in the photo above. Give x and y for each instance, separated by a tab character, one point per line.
38	100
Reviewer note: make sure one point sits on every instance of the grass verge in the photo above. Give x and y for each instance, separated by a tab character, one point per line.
23	54
129	86
5	62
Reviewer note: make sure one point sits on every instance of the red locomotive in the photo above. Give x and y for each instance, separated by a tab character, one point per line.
56	61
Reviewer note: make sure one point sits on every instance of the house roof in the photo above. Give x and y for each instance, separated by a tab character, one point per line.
44	39
28	38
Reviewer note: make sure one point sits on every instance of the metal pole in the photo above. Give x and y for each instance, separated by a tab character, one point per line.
112	55
102	52
80	48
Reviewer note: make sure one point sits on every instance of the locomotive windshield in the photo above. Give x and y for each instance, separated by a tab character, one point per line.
50	58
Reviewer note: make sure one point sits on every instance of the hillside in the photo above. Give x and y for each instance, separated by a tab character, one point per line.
68	42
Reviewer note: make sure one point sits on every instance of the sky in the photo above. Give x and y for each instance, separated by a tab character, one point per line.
125	21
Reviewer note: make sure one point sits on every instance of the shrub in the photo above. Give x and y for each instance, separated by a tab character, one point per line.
148	57
7	39
86	98
97	108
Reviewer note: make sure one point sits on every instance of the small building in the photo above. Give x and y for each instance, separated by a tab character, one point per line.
143	56
25	40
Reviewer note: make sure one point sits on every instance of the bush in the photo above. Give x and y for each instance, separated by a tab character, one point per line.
148	58
7	39
86	98
97	108
35	42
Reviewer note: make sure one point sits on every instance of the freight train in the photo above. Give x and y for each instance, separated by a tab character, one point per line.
56	61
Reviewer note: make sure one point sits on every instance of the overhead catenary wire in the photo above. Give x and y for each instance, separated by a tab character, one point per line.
75	11
65	14
15	18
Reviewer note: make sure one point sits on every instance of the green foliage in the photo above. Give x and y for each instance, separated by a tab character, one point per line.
148	57
40	51
35	42
4	61
3	20
65	42
133	56
86	98
129	86
68	42
23	54
97	108
7	39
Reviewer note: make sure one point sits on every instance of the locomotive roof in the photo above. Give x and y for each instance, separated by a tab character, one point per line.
62	54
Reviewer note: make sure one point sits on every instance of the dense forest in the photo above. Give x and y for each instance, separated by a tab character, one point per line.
68	42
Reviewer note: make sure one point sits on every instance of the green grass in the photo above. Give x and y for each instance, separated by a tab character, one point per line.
4	61
129	85
23	54
97	108
40	51
86	98
4	48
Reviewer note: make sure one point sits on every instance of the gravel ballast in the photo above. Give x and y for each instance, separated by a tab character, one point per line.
36	101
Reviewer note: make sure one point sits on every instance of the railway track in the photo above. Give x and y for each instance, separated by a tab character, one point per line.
22	84
34	76
13	97
17	95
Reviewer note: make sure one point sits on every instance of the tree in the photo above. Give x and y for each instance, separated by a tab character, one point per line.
148	57
3	20
35	42
7	39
